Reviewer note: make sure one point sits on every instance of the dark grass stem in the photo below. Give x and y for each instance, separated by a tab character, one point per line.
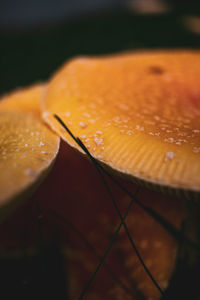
131	292
112	242
97	166
177	234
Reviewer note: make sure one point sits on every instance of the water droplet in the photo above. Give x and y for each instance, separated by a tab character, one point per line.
169	140
129	132
196	149
169	155
29	172
196	131
85	114
99	132
83	125
98	141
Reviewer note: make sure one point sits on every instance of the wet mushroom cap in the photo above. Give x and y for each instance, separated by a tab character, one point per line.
138	113
26	100
28	148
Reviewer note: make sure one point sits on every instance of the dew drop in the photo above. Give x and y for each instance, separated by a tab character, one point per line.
83	125
29	172
196	131
98	141
169	156
67	114
196	149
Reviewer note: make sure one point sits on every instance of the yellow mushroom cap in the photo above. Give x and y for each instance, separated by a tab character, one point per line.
27	148
139	113
26	100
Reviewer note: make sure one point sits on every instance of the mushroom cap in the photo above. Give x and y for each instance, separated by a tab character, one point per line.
27	146
26	100
137	112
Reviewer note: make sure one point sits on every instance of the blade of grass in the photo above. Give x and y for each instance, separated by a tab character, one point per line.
177	234
131	292
162	221
96	164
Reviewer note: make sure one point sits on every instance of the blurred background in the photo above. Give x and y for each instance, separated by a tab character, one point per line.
37	36
23	14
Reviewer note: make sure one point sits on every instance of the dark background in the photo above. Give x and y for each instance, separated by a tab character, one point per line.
31	49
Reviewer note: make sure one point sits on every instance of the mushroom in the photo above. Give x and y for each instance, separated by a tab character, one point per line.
138	114
28	147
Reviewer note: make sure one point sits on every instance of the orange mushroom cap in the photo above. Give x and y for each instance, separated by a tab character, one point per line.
27	146
26	100
139	113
